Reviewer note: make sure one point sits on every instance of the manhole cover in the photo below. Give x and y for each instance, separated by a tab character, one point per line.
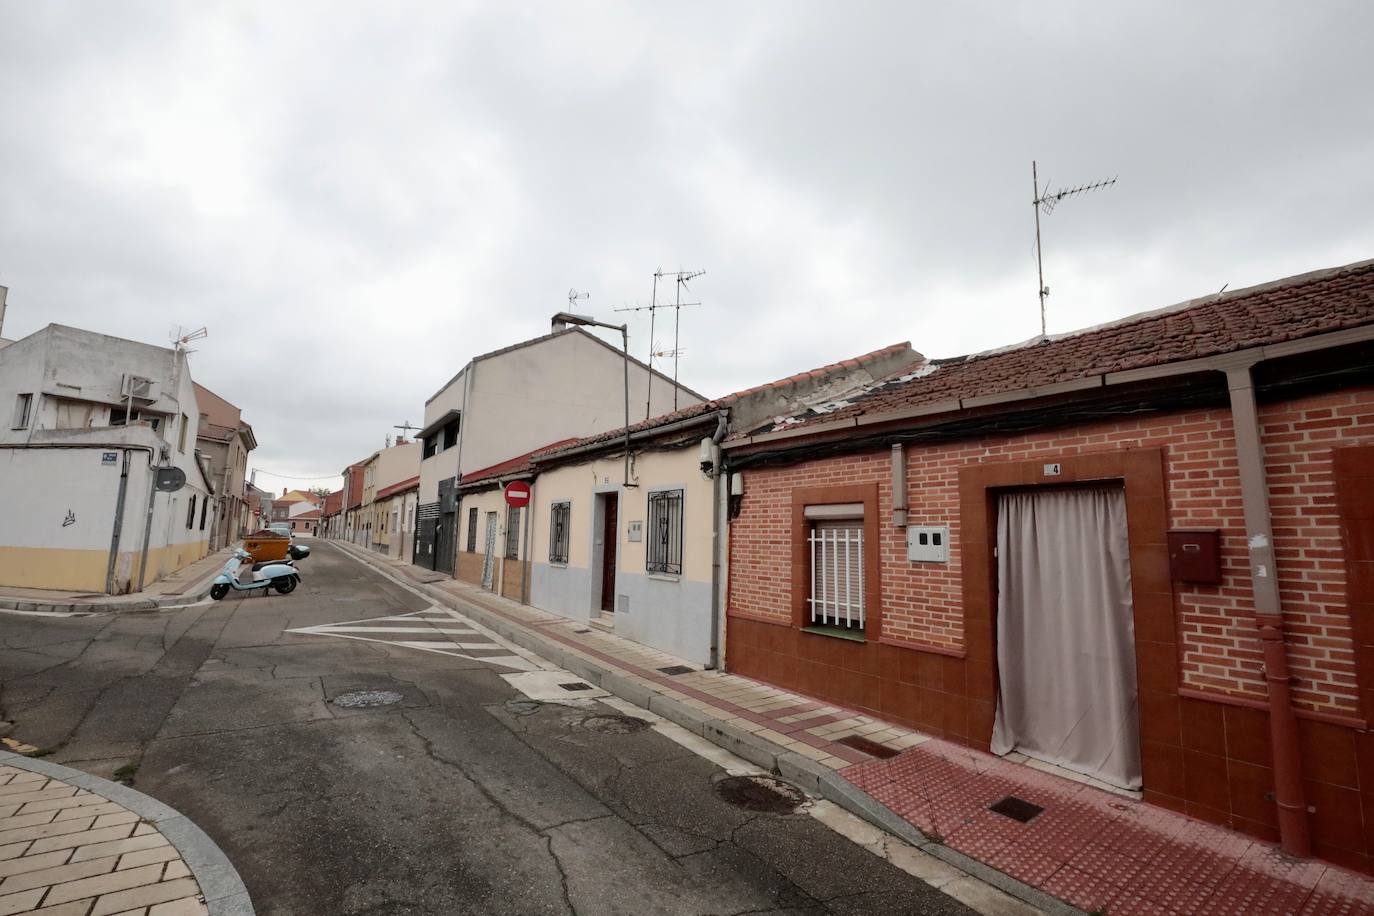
614	724
674	670
361	699
760	793
574	686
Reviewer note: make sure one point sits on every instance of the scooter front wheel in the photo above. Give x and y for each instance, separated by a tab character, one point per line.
219	590
285	585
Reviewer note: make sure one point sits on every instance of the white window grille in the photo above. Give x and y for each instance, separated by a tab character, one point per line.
837	573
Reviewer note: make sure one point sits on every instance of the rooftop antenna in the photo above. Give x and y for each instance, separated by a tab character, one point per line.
1047	202
573	296
405	428
682	277
181	337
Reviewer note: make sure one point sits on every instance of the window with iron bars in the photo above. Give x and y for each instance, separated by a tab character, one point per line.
560	516
512	533
836	548
472	530
663	547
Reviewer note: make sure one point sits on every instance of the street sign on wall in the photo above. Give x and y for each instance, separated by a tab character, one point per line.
518	494
169	480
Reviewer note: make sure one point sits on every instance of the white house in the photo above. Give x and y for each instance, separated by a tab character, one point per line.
506	403
639	546
88	418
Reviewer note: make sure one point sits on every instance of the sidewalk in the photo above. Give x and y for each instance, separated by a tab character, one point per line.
1097	850
72	844
185	586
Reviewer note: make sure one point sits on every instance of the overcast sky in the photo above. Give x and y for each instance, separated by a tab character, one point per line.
357	197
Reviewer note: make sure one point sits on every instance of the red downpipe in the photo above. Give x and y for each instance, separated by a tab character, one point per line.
1294	832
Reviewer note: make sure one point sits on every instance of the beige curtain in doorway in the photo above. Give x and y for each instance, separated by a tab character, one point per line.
1065	633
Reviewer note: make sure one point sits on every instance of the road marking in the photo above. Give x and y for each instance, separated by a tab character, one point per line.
399	625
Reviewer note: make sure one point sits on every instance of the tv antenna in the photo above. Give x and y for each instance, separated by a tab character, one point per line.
573	296
180	336
405	427
680	277
1047	202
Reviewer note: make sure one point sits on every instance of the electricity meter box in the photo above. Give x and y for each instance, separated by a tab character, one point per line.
927	543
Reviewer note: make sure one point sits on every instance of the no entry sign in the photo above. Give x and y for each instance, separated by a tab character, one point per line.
518	494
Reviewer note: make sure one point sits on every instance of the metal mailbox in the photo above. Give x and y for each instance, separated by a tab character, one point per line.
1195	556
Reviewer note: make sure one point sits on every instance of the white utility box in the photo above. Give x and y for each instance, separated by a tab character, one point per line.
927	543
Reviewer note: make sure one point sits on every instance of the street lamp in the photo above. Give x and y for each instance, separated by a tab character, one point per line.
588	321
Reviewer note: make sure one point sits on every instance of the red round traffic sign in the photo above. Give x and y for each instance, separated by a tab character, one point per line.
518	494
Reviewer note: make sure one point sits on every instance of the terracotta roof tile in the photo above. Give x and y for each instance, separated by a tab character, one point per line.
1297	307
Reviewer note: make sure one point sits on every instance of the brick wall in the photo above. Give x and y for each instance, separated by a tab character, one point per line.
922	603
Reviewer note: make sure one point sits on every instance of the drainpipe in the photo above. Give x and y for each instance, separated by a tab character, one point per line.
118	523
719	541
1283	726
898	486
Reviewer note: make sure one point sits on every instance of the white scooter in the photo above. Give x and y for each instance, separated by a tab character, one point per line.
279	576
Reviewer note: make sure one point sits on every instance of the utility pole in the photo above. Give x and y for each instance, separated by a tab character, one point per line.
1047	202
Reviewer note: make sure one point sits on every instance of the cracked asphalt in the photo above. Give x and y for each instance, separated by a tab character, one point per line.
461	798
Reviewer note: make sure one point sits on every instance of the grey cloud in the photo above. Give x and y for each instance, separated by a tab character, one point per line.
357	199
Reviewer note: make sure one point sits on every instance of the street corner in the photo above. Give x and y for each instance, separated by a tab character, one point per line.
71	842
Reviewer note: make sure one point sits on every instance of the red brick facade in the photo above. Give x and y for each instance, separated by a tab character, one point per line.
1203	696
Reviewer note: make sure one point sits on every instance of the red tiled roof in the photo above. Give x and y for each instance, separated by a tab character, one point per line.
517	465
697	410
1302	306
411	484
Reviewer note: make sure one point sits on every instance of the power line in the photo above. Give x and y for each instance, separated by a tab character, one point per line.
289	477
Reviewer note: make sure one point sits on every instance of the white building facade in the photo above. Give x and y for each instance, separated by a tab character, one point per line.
566	384
84	421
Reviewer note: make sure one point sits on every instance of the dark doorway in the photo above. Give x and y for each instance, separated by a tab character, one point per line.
609	538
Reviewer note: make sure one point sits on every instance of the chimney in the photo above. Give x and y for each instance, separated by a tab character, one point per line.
283	491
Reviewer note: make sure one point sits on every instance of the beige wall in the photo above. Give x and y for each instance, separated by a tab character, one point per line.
652	470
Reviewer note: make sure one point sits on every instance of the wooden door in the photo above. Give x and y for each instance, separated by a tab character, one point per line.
609	542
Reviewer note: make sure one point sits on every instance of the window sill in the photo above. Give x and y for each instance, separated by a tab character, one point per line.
837	633
663	577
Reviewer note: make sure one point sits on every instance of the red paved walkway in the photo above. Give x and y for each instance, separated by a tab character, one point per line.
1097	850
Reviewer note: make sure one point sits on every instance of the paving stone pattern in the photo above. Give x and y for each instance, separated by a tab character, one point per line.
65	851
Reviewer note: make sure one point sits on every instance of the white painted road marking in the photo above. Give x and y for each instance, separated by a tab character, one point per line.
506	655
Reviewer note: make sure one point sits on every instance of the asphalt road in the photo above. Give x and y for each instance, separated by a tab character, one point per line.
463	797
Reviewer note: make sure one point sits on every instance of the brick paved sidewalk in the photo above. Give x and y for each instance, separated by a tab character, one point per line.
1097	850
69	849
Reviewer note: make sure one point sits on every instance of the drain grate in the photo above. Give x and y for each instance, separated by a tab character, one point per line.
1018	809
583	630
362	699
675	670
614	724
760	793
868	746
575	686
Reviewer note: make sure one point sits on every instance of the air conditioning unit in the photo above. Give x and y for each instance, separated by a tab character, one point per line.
139	388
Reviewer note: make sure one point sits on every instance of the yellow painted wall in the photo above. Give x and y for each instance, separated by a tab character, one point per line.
60	569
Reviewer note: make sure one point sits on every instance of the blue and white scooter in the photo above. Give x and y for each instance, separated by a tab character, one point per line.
280	576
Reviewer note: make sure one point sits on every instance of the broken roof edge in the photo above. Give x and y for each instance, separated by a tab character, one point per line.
652	426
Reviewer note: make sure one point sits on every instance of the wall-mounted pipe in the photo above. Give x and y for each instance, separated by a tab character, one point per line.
898	486
720	534
1283	724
